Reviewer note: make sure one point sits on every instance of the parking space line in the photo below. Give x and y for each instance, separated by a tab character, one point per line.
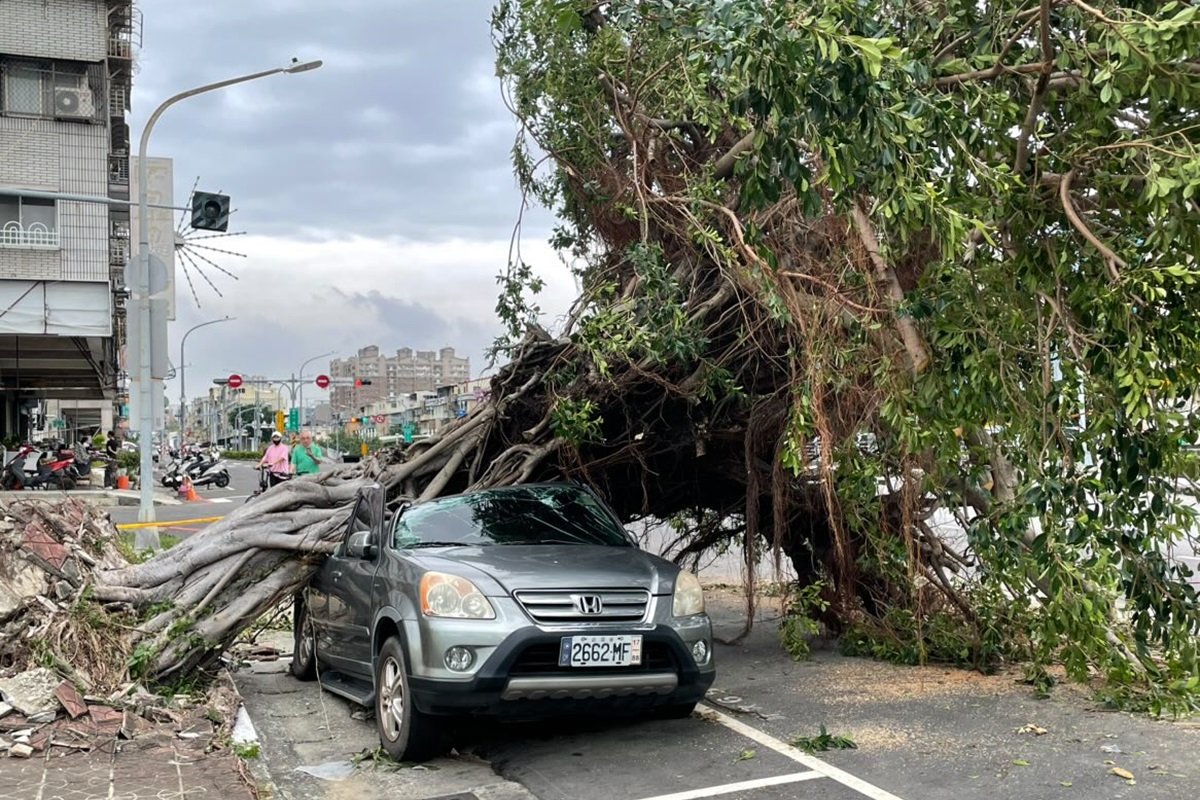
785	749
729	788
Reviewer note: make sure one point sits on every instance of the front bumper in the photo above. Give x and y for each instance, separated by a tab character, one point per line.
522	679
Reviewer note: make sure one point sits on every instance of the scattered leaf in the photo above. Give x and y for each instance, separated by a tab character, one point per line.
1068	784
1020	762
1036	730
745	755
1121	773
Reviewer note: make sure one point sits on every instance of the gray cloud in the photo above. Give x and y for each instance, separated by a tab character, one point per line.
402	132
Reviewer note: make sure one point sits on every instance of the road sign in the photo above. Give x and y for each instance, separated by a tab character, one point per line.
379	419
234	382
293	419
322	381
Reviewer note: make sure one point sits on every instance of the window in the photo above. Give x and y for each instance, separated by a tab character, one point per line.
55	89
28	222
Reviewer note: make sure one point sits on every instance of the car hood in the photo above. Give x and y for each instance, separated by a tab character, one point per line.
513	567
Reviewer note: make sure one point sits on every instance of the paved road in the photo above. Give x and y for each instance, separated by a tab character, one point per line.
921	734
213	502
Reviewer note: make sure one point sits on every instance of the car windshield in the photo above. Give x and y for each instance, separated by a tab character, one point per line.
517	516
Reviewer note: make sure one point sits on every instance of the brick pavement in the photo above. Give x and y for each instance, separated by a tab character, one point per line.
156	764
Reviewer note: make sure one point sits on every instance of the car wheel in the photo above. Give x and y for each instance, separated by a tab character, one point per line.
406	733
222	480
676	711
304	648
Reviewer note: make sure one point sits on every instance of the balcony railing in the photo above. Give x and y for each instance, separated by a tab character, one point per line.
118	252
118	169
34	236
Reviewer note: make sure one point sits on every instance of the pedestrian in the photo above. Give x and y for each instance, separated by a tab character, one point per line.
112	446
306	456
277	460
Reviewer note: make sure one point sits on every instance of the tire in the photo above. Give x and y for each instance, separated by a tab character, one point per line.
405	733
304	645
222	480
166	482
676	711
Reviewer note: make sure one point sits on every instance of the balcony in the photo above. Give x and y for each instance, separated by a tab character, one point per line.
118	169
33	237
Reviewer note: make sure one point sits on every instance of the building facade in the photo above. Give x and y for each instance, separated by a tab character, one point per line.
66	70
387	377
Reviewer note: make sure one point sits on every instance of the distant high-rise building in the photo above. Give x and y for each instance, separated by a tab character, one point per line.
407	371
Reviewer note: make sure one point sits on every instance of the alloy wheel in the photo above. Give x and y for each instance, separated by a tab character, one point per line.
391	699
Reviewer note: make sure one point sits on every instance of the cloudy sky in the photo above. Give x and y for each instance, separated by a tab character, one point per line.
376	192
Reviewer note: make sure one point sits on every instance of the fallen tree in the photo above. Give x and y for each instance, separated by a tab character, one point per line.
905	292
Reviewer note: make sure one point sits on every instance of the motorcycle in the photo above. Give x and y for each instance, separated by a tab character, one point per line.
203	469
52	472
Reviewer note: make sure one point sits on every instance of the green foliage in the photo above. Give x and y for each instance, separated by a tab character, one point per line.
242	455
575	420
823	742
130	461
799	622
1049	267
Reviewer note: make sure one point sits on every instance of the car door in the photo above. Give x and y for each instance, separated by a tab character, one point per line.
346	582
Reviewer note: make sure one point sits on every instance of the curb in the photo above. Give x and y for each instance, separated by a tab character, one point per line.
244	737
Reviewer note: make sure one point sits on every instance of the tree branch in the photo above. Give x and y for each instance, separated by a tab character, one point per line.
1111	260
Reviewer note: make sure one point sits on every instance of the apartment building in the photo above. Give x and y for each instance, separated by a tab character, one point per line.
66	69
391	376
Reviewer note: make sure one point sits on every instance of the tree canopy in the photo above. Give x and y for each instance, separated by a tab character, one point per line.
908	288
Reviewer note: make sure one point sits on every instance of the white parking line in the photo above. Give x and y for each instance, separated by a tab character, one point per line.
783	748
729	788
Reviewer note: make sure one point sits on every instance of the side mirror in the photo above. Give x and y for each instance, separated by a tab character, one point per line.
359	545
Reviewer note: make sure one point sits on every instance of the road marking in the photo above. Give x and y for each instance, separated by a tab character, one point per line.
170	523
220	499
729	788
785	749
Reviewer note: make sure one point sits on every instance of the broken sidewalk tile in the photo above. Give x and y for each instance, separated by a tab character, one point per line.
31	692
45	547
70	699
20	751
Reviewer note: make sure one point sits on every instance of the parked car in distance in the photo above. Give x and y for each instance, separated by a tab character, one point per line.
521	602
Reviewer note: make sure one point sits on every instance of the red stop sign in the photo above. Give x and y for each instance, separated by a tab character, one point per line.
235	381
322	381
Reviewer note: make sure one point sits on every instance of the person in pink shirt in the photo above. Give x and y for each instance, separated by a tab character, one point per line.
277	460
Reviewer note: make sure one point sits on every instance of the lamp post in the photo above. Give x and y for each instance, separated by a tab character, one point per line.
302	366
183	369
147	538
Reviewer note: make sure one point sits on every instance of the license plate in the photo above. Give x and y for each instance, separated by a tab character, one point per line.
600	651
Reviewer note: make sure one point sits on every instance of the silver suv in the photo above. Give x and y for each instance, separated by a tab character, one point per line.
522	602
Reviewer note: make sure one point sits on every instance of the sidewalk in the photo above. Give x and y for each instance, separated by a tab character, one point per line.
164	760
105	497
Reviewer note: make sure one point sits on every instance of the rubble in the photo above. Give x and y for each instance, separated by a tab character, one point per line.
20	751
31	692
20	582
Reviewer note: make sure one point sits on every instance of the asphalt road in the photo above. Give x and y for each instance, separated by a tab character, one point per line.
920	733
213	502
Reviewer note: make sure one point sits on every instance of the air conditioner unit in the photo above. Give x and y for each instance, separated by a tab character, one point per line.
74	102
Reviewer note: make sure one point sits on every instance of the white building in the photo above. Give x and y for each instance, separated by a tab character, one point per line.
65	76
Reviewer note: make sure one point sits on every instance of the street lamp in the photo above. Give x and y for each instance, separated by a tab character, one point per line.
147	538
302	366
183	367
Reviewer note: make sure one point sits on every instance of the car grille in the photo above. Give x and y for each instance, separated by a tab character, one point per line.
543	659
563	607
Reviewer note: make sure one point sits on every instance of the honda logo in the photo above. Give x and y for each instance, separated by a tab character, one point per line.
589	605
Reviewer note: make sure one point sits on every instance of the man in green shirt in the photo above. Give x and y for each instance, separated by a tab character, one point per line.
306	456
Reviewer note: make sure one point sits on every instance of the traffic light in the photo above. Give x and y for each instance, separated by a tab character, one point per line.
361	382
210	212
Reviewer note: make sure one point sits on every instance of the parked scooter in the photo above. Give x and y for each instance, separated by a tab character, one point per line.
51	472
204	469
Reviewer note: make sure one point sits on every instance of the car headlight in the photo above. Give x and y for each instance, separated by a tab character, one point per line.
689	597
445	595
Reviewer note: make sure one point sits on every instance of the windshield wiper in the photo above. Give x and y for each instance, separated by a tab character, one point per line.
416	545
